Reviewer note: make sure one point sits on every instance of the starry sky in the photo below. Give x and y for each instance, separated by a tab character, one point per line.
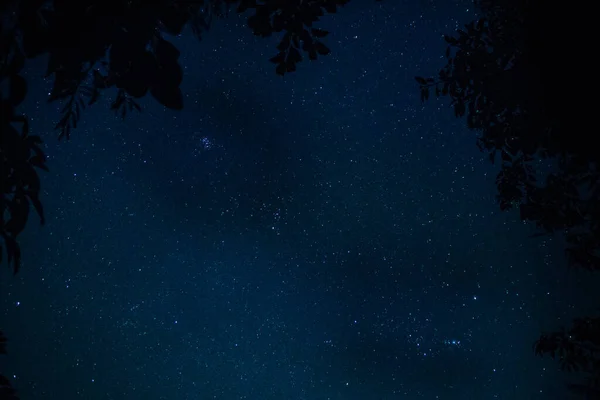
324	235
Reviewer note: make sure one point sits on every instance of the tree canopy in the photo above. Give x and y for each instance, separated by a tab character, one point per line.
502	74
503	77
95	45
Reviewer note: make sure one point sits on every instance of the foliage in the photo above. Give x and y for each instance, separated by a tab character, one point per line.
20	155
577	350
96	45
7	392
498	76
503	76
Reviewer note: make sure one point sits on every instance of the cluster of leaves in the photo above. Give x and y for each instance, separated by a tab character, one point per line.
20	155
7	392
502	75
96	45
495	78
482	62
289	54
578	350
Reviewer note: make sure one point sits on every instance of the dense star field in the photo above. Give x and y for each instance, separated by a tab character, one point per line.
322	235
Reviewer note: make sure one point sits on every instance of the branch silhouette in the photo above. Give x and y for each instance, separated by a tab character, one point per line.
503	75
94	46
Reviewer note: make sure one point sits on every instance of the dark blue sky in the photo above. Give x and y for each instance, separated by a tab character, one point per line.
324	235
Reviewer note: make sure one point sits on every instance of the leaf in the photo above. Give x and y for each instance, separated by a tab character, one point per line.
245	4
18	89
25	128
65	132
291	66
19	212
94	97
330	6
173	19
280	69
165	51
13	252
18	60
480	24
62	122
450	40
53	64
99	80
136	87
321	48
168	96
319	33
170	74
285	42
199	24
38	161
445	88
278	22
279	58
459	109
294	55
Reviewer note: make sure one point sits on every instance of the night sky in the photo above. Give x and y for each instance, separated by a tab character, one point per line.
324	235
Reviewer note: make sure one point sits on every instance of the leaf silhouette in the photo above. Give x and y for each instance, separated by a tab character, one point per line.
321	48
169	97
18	89
320	33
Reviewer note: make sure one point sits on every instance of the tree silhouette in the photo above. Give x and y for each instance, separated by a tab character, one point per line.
578	350
494	77
7	392
503	74
20	156
95	45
